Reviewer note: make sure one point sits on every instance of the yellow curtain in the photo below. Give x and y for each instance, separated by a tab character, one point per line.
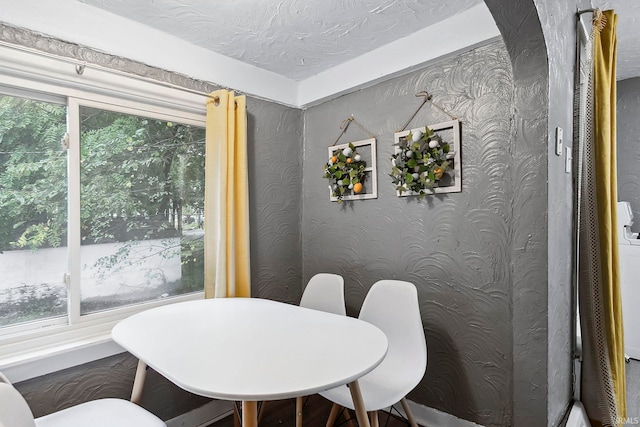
226	200
604	69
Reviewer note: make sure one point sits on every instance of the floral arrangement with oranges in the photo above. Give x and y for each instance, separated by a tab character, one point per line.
345	171
419	161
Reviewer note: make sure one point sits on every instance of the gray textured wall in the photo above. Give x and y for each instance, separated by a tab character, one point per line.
520	28
546	62
628	107
459	248
275	176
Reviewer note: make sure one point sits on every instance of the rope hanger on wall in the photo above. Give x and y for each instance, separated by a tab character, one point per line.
427	98
344	125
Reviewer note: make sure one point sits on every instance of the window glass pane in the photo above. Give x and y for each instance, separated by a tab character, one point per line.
142	201
33	210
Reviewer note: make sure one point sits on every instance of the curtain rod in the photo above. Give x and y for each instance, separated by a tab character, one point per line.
580	12
81	65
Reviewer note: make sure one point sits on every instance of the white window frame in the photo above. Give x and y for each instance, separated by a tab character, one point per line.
52	344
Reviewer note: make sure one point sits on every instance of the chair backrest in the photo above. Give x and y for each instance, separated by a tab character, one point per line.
392	306
14	410
325	292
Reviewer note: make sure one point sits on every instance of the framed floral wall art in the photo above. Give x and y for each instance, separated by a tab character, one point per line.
352	171
426	160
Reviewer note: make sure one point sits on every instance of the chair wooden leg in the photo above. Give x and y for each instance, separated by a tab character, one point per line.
333	415
407	411
236	415
261	410
347	416
373	418
299	404
138	382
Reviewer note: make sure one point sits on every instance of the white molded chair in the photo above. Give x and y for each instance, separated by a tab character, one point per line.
15	412
392	306
325	292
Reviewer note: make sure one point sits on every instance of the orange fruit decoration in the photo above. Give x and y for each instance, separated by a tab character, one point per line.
334	159
437	172
357	187
349	160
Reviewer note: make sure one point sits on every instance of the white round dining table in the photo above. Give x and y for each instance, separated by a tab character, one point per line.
251	349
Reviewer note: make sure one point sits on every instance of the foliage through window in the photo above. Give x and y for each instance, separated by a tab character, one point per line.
33	210
141	209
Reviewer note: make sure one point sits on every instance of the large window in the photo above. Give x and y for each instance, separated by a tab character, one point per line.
107	223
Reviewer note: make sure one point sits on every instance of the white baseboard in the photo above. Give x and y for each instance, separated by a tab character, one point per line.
426	416
204	415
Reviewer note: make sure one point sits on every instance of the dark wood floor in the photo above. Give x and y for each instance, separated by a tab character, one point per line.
281	413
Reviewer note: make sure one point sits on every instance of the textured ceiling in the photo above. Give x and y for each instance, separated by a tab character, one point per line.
294	38
301	38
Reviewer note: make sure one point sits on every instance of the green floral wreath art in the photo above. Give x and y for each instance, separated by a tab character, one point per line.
419	162
345	171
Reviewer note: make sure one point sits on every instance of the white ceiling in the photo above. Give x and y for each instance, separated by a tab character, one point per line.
293	38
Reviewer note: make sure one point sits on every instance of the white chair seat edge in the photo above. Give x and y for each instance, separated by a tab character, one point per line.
375	396
108	412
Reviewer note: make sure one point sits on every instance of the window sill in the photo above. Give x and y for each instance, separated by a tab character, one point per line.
43	361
